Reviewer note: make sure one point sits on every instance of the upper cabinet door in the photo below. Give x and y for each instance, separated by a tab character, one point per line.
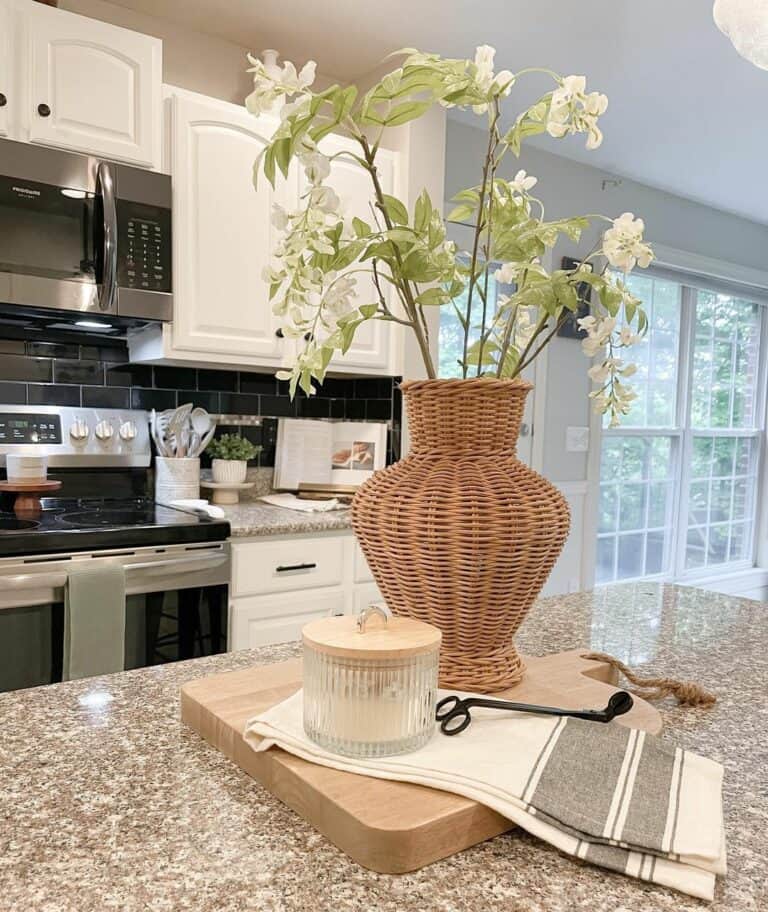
374	342
6	94
93	87
223	232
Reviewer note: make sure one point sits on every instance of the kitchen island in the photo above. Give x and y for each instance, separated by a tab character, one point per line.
108	801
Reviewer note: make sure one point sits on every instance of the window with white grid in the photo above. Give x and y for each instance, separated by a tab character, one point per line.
678	479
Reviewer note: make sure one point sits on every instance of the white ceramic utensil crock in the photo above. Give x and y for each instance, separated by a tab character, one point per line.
176	479
370	683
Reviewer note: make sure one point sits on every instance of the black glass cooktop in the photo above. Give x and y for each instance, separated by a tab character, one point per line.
79	524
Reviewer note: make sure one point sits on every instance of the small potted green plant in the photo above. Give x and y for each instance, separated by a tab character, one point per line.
230	454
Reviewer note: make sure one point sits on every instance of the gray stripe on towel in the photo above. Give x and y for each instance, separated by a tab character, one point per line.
649	805
578	783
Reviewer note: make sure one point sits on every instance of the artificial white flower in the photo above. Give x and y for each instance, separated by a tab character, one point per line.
623	244
572	110
503	82
279	217
484	55
316	166
523	182
325	199
506	274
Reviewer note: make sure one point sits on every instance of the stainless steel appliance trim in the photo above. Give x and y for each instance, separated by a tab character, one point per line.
139	304
210	566
50	294
107	186
27	161
136	453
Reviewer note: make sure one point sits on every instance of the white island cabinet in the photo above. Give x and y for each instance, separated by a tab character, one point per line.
79	84
224	237
280	583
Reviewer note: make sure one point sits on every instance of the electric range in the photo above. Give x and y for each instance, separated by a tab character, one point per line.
75	524
176	562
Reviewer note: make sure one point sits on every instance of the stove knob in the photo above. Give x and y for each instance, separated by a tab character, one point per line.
128	430
104	431
79	430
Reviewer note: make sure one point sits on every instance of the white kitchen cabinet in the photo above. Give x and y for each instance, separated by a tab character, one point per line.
6	89
223	238
272	619
270	605
89	86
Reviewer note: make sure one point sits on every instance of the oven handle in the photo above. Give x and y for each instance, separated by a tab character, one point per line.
59	580
105	182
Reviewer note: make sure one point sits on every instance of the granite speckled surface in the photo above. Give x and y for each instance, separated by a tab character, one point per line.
254	517
108	802
258	518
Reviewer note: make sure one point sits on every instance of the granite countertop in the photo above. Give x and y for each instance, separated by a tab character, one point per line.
258	518
108	801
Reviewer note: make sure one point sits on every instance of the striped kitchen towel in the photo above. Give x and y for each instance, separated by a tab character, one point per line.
608	794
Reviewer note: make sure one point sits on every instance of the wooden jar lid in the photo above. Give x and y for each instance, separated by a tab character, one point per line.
390	638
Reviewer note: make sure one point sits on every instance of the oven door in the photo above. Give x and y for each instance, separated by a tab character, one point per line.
176	608
57	231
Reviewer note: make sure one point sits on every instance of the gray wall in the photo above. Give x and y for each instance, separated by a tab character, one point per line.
568	188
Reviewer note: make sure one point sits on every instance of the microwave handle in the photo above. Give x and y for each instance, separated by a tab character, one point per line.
105	183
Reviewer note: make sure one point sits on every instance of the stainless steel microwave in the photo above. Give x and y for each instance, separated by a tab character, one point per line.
82	238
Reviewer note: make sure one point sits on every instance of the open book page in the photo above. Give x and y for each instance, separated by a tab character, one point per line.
302	454
359	449
327	452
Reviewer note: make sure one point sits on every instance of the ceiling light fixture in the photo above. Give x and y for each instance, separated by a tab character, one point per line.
745	22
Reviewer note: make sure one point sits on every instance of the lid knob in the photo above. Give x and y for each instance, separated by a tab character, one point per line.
365	613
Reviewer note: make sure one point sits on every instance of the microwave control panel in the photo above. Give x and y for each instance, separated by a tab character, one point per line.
144	247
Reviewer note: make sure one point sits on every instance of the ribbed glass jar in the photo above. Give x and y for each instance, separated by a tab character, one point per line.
369	707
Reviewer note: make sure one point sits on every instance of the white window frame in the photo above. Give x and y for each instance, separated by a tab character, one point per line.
692	272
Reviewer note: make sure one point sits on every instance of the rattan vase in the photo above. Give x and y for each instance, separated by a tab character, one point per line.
460	533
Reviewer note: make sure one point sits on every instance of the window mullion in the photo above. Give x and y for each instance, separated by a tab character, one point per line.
684	448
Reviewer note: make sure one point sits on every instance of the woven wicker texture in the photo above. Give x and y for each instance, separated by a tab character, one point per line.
460	533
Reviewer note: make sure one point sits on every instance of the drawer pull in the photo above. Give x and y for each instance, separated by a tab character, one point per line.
296	567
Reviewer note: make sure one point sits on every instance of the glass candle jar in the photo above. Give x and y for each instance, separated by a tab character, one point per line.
370	684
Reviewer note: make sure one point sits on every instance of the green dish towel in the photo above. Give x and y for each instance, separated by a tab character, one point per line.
94	621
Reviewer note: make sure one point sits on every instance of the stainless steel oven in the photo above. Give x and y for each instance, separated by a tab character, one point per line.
82	238
176	608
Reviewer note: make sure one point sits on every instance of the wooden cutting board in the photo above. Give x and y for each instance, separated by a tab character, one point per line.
390	827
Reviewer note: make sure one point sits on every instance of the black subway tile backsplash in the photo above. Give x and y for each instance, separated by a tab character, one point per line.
223	380
51	349
153	399
52	394
20	367
13	393
68	371
61	371
179	378
106	397
129	375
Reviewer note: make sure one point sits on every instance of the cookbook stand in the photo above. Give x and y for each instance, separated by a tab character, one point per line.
28	495
389	827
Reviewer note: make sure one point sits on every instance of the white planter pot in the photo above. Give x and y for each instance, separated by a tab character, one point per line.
176	479
229	471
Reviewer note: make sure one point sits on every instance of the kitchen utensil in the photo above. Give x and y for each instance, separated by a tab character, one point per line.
176	423
390	827
369	689
452	712
201	421
206	440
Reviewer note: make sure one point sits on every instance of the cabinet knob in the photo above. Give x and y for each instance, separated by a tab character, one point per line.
279	333
308	337
3	100
43	110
